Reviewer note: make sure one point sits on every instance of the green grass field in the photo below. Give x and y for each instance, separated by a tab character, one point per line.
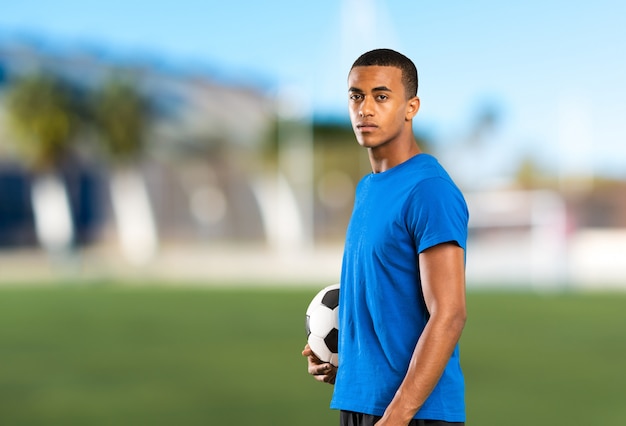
122	355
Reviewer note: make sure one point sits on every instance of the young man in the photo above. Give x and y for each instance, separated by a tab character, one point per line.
402	304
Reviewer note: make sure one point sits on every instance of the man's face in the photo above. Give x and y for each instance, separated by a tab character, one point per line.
377	103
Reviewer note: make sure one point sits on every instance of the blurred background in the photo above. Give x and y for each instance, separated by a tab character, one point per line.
182	140
176	179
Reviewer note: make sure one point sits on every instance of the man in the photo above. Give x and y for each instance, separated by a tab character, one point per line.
402	303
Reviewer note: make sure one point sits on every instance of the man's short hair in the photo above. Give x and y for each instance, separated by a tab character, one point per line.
391	58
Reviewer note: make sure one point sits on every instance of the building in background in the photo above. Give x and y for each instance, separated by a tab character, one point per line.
207	146
229	165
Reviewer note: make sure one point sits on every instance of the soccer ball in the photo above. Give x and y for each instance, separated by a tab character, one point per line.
321	324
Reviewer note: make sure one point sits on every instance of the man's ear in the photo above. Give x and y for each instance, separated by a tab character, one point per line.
412	107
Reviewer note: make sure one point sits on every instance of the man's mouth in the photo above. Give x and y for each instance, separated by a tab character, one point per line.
366	127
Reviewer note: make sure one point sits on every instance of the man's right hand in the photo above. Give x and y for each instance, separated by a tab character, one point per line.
321	371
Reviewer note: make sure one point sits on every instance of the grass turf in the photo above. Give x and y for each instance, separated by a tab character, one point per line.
121	355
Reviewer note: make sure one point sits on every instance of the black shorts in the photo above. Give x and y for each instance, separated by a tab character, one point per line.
349	418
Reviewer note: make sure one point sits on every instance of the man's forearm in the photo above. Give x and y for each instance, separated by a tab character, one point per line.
428	362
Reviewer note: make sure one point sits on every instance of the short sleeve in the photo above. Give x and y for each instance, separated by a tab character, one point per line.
436	214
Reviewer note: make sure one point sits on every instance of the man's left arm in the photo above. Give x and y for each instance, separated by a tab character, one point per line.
442	271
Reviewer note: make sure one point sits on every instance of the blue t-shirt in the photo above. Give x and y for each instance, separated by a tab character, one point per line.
397	214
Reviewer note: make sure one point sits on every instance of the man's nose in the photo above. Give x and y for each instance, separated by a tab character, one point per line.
366	107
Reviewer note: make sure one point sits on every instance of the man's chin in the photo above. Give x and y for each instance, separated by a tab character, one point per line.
366	142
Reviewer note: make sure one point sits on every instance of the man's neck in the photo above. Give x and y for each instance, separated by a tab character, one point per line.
383	158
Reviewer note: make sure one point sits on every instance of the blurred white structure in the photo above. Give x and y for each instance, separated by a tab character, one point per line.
135	222
280	213
517	237
522	237
598	259
52	214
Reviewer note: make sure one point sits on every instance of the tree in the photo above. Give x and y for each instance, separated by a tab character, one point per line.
43	116
121	115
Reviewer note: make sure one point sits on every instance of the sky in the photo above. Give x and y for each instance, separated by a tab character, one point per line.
551	72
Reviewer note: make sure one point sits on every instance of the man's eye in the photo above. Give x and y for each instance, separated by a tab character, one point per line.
382	97
355	97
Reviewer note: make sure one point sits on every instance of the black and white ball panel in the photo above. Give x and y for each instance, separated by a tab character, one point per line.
322	324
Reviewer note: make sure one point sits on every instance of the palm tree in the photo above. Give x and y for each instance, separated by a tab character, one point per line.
42	114
120	116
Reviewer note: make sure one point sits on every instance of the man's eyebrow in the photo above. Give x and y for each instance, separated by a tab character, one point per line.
375	89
